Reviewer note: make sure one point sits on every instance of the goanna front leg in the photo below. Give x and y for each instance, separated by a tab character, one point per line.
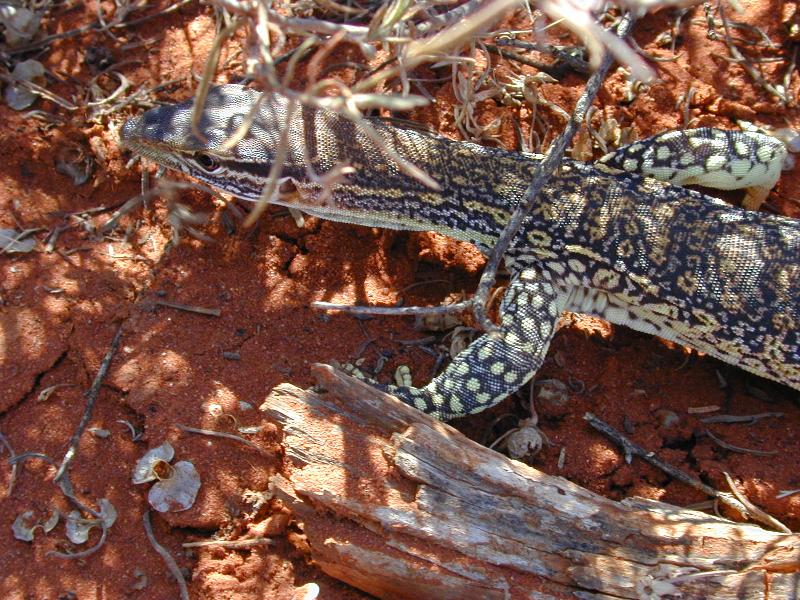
494	365
715	158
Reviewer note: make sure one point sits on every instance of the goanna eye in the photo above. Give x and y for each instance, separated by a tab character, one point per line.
206	161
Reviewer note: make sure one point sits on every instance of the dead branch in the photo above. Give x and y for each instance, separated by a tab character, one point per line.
403	506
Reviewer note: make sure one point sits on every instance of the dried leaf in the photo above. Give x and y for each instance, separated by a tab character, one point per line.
78	528
24	525
45	394
552	392
51	522
178	492
145	469
526	441
76	164
107	512
21	25
12	241
17	95
21	528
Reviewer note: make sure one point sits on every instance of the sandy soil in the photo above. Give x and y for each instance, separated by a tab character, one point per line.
60	309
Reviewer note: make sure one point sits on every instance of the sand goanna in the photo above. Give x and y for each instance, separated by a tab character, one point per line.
617	238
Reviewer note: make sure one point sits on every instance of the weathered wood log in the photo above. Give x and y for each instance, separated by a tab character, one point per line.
403	506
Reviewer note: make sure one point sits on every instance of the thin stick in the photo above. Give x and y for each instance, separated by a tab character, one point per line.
564	58
556	70
758	514
220	434
743	61
632	449
95	27
91	399
541	176
65	485
212	312
739	449
165	556
12	454
82	553
395	310
229	543
209	69
26	456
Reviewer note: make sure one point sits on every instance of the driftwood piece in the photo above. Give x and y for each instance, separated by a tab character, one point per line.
403	506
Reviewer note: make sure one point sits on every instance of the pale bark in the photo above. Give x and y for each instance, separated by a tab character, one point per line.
403	506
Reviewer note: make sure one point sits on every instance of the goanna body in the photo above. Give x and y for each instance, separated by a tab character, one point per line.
634	250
